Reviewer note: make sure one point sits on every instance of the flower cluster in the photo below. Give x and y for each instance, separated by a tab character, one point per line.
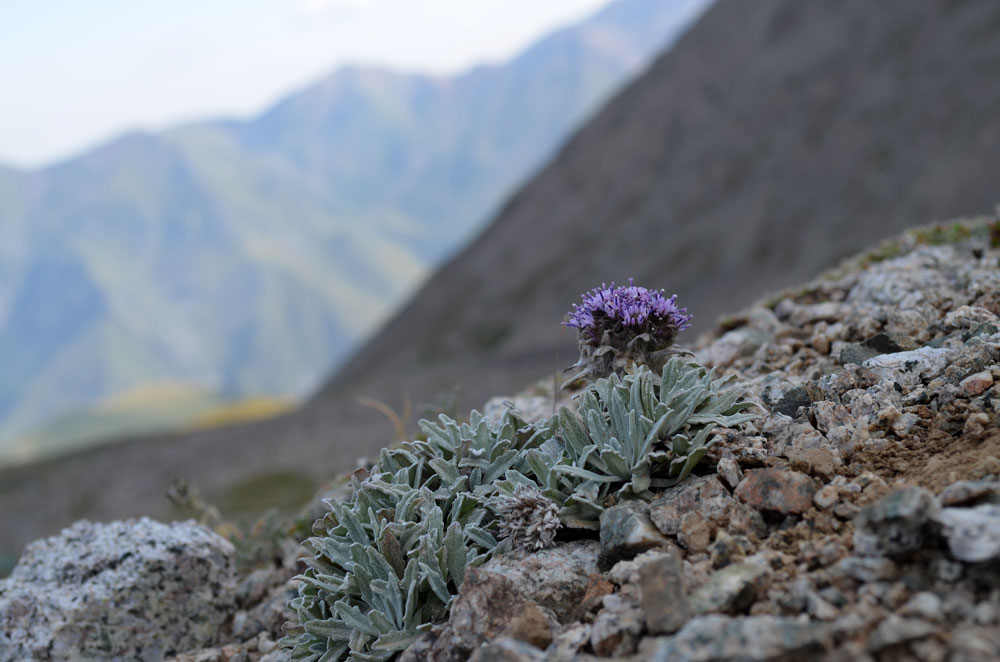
616	315
528	518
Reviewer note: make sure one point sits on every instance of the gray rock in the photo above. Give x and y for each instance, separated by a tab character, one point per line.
896	524
485	606
730	590
626	530
856	352
568	643
896	630
705	493
925	605
715	638
866	569
627	572
729	469
556	578
973	533
127	590
966	491
507	649
785	492
791	401
662	593
970	643
616	629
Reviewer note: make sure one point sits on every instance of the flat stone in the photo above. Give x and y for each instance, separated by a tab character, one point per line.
662	593
556	578
973	533
667	510
896	524
866	569
134	589
717	638
730	590
975	384
626	530
910	367
925	605
896	630
486	605
786	492
531	626
965	491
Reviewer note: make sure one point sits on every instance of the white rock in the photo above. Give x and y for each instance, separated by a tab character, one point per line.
973	533
132	590
909	368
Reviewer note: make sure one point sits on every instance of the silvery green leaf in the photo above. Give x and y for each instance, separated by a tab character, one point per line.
454	546
578	472
332	628
352	616
436	582
572	432
396	641
334	653
446	470
481	537
616	464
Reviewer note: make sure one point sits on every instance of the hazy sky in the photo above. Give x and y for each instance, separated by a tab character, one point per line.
75	72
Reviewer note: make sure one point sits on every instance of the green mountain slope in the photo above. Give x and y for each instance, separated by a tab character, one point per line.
246	258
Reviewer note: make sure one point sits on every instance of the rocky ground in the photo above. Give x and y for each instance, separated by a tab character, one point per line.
858	518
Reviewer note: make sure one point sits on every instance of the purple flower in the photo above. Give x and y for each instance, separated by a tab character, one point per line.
617	315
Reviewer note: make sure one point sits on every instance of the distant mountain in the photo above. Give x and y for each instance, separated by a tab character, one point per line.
248	258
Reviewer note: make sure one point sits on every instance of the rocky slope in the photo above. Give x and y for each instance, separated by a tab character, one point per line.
774	138
856	518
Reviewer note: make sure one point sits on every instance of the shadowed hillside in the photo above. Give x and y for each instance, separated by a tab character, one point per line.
776	137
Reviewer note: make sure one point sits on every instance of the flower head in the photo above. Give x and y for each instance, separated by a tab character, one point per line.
528	518
616	315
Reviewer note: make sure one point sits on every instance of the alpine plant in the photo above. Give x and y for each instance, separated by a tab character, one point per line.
387	563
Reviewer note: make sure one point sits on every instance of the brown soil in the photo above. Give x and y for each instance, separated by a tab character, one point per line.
934	460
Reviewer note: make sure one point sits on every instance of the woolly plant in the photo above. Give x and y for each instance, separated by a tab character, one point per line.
620	326
388	563
385	565
628	435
